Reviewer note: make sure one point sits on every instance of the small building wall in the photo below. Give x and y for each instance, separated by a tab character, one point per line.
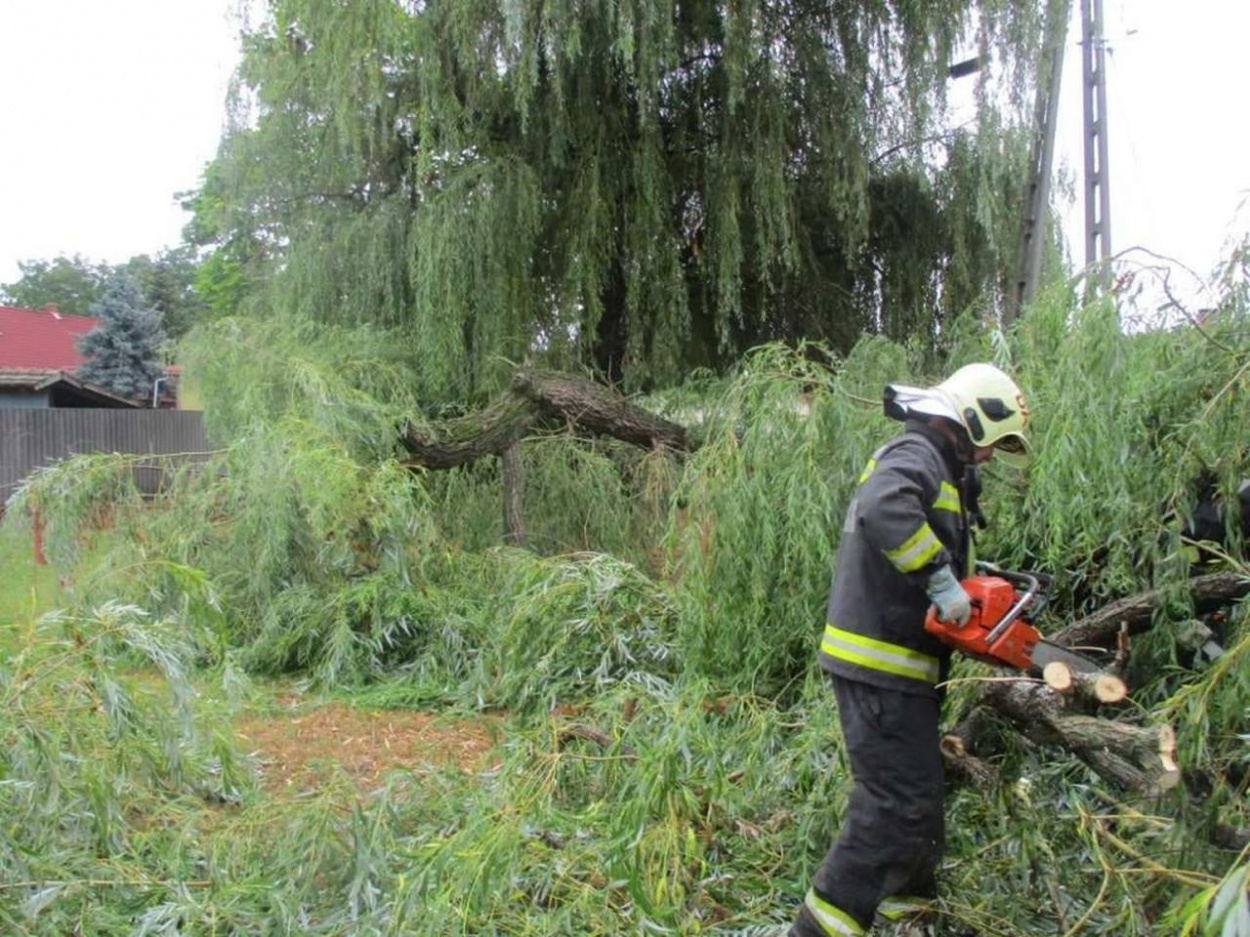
24	399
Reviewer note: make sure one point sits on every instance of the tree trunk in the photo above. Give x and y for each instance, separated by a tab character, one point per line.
1137	611
533	398
513	494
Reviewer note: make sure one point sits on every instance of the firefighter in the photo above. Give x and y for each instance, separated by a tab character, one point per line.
906	543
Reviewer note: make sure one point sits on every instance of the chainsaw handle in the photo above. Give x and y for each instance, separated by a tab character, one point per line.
1044	581
1031	584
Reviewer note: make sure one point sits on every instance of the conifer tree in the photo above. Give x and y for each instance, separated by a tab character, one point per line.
123	352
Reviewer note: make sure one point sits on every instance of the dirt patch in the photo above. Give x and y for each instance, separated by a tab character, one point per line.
303	751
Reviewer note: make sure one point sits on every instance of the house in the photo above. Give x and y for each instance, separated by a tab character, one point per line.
32	388
47	413
39	357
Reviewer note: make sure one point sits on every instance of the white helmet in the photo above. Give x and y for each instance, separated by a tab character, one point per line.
979	397
992	408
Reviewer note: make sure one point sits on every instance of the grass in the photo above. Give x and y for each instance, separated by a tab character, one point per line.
27	590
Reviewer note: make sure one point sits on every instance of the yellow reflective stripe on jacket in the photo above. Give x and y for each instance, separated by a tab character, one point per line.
916	551
863	476
880	655
947	499
832	920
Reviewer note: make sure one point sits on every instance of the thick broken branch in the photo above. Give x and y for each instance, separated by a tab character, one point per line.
465	439
537	396
1136	611
598	409
1139	758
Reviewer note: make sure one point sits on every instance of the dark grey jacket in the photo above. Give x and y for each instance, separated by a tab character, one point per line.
908	517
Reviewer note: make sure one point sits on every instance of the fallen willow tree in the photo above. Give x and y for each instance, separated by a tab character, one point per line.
670	757
1052	711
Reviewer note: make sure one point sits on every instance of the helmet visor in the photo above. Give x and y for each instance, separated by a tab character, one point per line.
1013	449
1012	445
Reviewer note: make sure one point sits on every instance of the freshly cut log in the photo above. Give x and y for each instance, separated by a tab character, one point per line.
1138	758
1100	687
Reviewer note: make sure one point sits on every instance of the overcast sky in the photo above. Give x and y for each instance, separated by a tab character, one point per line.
109	108
1179	140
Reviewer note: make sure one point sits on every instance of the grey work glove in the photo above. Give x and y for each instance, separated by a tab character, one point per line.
949	596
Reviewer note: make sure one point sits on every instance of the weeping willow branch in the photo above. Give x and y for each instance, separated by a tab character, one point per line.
537	397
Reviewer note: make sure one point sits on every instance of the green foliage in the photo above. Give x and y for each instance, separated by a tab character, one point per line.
74	284
1125	426
166	282
90	743
70	284
671	757
639	189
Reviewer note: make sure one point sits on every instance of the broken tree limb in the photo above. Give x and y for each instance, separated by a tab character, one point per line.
1135	612
598	409
465	439
956	747
532	398
1137	758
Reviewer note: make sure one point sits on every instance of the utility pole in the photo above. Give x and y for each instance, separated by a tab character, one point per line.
1097	193
1041	161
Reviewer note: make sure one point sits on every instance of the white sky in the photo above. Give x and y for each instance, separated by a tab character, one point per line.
109	108
1179	160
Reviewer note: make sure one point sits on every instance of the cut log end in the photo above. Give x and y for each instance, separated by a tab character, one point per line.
1170	773
1058	676
963	763
1108	688
1103	687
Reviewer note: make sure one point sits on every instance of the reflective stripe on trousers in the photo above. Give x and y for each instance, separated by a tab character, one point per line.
901	906
832	920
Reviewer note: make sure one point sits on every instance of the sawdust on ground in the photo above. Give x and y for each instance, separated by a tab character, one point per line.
304	750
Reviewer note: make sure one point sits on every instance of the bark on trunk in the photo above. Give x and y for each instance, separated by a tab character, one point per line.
1136	758
1135	612
513	489
536	397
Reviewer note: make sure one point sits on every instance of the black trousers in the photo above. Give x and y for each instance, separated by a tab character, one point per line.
891	841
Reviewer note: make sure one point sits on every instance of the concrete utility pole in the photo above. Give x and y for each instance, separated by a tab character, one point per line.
1097	187
1041	161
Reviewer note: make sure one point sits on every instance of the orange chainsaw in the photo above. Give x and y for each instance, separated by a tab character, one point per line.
999	630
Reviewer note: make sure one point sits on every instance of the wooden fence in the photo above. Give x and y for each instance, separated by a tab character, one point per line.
33	438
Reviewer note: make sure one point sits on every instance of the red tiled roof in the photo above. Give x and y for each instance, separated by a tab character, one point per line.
41	338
